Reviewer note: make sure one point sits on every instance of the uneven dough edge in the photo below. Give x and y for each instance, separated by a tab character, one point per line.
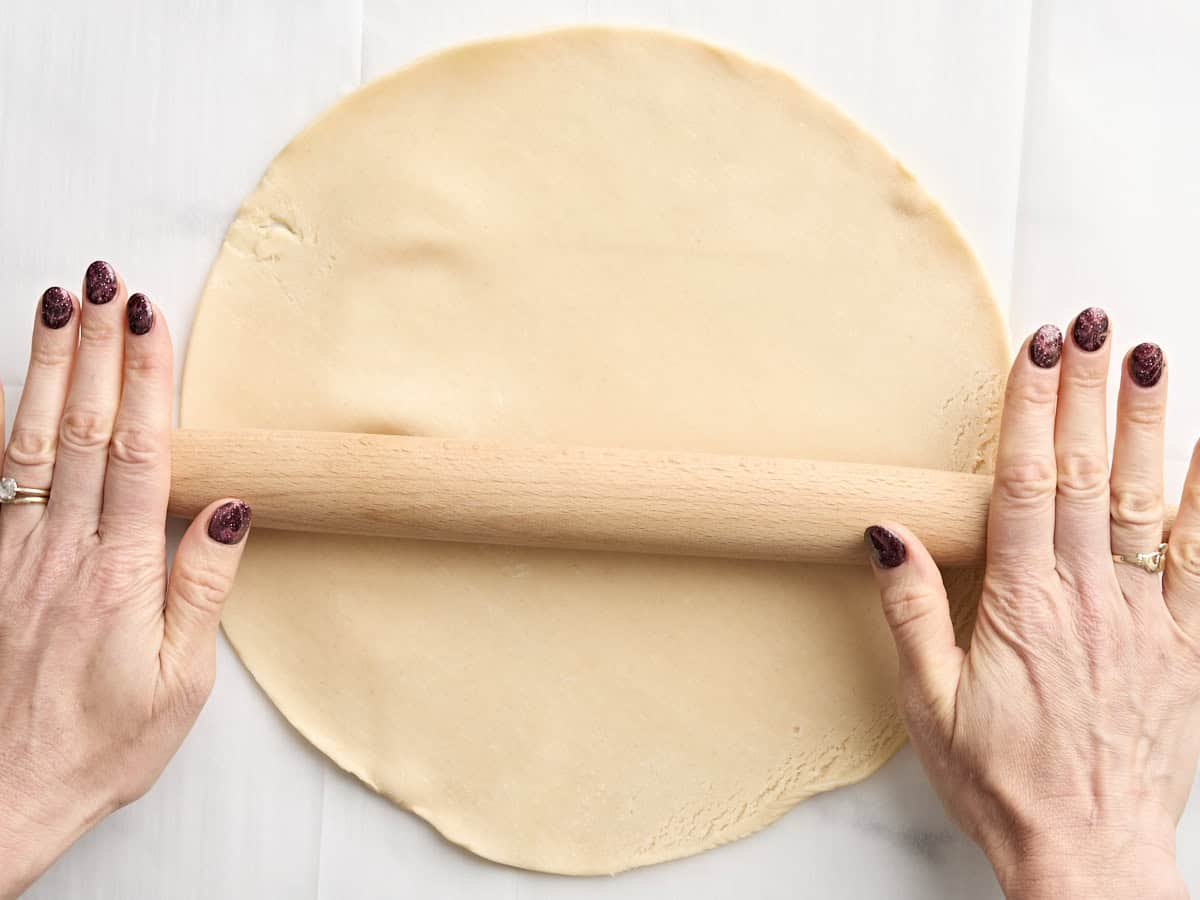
891	738
732	57
888	742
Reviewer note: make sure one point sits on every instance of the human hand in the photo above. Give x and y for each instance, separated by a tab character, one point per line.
104	660
1065	739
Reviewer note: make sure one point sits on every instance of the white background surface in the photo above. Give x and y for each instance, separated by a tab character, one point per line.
1061	134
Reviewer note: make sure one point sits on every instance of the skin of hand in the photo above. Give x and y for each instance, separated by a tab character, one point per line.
1064	740
105	659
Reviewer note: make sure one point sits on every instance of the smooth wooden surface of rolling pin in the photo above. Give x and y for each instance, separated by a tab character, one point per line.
690	504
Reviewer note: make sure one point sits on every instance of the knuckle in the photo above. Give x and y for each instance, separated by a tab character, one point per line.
1089	583
1027	481
1085	379
1148	416
200	587
136	447
1082	475
47	576
125	573
99	334
1031	392
1184	555
1191	492
146	366
1021	602
1135	505
32	447
1015	565
906	609
84	429
50	355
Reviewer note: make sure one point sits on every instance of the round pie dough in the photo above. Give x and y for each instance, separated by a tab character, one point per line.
605	237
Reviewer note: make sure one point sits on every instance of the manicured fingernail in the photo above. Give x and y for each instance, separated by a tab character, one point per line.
886	548
1045	347
1146	364
140	314
56	307
100	282
230	522
1091	329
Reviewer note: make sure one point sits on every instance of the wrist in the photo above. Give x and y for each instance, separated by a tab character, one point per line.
38	823
1092	861
1143	877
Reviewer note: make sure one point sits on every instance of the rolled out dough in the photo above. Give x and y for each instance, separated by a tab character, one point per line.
603	237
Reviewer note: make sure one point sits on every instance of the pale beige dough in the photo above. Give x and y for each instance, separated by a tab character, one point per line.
597	237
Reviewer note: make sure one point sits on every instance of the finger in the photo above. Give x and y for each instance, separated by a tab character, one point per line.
918	613
1081	510
1181	581
1136	483
34	439
91	406
138	478
205	564
1021	516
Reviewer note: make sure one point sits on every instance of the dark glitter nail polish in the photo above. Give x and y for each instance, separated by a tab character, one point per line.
56	307
100	282
1045	347
1146	364
1091	329
140	314
886	549
229	522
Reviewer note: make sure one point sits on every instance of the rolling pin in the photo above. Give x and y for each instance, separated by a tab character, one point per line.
688	504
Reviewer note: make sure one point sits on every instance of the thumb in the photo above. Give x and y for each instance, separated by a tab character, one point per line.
200	580
918	613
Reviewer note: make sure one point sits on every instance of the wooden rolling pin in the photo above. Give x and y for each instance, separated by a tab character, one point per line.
689	504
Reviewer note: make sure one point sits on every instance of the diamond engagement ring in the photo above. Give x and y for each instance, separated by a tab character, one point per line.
11	492
1150	562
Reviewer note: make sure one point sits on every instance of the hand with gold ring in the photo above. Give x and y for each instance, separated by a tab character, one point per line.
105	658
1064	739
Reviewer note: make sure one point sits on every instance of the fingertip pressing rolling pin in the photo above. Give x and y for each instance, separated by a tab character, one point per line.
689	504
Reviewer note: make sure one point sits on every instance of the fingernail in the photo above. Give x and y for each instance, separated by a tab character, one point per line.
100	282
56	307
1146	364
1091	329
230	522
140	314
1046	347
886	549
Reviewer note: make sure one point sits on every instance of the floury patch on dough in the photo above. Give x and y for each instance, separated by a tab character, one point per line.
600	237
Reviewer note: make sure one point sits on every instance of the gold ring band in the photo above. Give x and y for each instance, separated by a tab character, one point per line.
1153	563
13	493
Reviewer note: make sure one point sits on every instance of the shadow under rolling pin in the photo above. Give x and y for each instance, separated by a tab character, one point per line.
530	495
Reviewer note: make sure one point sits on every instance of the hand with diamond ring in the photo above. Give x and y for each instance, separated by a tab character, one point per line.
1064	739
105	658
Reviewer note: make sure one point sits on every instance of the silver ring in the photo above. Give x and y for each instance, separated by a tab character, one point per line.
13	494
1153	563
